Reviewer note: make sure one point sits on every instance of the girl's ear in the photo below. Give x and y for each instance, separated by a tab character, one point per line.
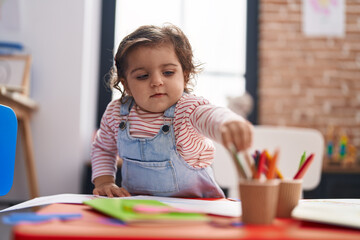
126	88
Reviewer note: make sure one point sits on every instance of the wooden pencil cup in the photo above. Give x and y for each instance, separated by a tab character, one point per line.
289	196
258	201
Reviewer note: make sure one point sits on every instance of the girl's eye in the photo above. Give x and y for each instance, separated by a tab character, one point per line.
142	77
168	73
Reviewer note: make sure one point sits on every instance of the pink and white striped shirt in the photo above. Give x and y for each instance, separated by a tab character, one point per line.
195	121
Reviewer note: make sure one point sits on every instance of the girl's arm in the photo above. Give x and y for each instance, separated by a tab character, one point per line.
223	125
196	114
104	152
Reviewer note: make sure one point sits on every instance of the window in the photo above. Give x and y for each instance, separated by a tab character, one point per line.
216	30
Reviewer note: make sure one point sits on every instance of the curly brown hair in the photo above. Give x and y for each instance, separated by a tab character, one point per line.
150	35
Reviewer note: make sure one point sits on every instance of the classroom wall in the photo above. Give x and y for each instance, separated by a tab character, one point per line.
308	81
63	39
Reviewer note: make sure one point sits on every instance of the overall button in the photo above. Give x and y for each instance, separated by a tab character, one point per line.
165	128
122	125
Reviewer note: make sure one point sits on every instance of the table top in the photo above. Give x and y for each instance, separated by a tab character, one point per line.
94	225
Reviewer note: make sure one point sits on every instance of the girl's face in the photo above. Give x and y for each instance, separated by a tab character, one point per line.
154	77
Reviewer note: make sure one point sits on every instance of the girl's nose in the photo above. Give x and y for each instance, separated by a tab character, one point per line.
156	80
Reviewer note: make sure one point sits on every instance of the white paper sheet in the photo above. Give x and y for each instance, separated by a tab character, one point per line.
343	212
324	18
216	207
60	198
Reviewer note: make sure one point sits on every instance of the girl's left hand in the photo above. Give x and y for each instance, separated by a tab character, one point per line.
238	133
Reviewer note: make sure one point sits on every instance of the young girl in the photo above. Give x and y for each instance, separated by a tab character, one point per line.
159	130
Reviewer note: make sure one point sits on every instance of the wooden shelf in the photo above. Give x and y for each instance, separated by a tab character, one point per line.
341	169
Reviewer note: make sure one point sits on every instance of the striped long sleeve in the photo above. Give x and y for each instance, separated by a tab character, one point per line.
196	122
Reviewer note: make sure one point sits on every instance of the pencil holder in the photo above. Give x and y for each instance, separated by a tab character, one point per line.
258	201
289	196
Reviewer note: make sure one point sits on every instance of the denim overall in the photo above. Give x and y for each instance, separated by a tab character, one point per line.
152	166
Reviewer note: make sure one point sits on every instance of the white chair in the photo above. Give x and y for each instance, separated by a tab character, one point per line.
291	141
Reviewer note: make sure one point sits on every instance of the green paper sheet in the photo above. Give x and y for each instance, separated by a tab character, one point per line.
123	209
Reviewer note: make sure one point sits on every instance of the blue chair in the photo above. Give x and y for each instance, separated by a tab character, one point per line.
8	135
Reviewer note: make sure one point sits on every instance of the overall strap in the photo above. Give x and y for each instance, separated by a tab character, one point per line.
170	112
126	105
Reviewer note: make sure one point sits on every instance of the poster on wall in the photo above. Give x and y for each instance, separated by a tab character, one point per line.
9	15
323	18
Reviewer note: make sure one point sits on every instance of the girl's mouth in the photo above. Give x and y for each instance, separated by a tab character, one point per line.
158	95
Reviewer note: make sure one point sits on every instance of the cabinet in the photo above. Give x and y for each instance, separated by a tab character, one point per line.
337	183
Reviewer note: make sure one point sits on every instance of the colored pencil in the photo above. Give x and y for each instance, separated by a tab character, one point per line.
278	173
272	165
237	163
304	167
261	165
251	163
303	156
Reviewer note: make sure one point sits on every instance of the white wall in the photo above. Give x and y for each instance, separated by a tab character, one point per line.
63	39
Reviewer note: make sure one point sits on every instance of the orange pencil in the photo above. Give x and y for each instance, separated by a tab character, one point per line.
304	167
272	165
268	157
278	173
